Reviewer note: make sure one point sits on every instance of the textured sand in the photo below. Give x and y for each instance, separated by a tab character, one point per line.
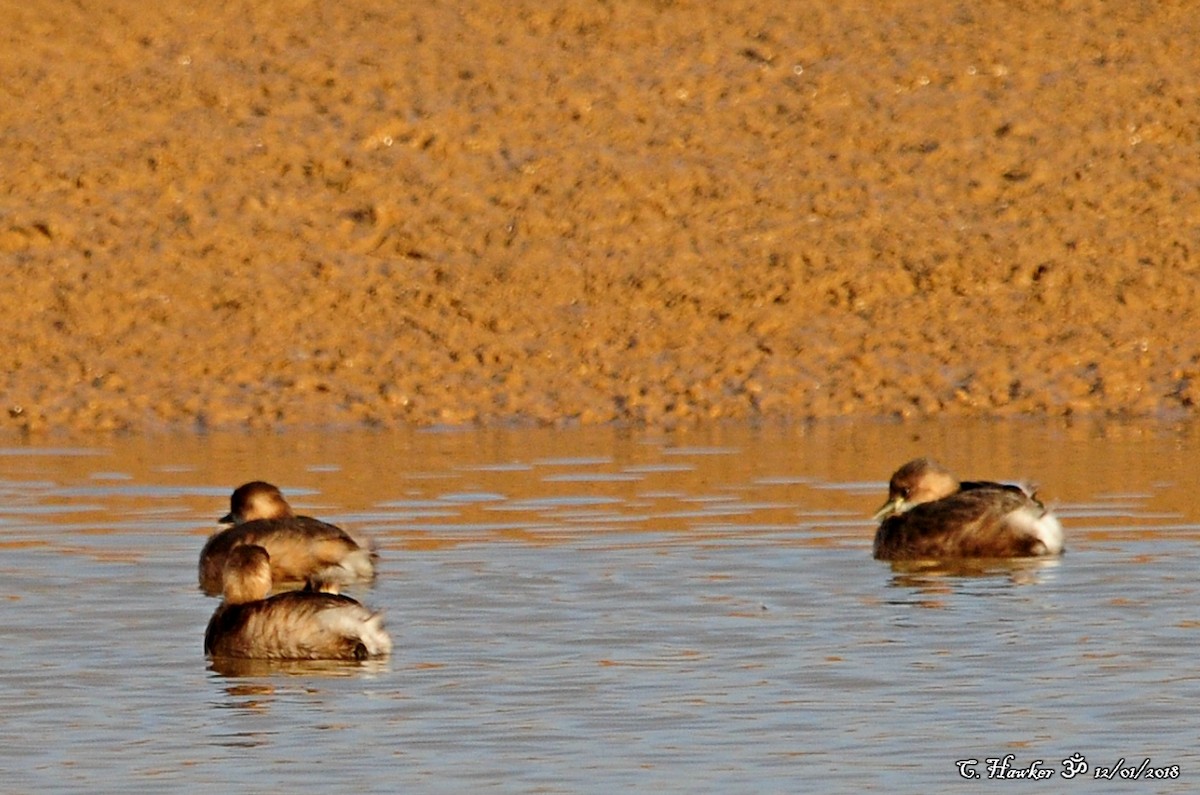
289	214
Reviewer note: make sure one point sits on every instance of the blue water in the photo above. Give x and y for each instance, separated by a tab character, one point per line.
603	610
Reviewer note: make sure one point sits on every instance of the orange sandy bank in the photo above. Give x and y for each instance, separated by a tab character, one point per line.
284	214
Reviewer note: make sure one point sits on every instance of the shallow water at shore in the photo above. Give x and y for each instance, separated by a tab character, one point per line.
588	610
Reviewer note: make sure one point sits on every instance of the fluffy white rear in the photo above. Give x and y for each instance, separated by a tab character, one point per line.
355	621
357	565
360	563
1042	525
374	637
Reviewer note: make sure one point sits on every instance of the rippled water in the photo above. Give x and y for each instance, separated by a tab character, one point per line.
602	610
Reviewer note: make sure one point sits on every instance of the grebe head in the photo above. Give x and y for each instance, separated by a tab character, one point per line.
247	574
918	481
256	500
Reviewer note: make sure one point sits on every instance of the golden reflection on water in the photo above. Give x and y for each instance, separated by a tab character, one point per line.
422	492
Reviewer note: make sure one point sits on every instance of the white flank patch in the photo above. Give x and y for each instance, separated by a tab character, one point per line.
1045	528
359	564
355	621
377	641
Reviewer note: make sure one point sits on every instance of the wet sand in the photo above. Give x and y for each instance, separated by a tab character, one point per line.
324	214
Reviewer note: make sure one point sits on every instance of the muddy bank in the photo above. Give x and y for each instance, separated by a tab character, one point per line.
285	215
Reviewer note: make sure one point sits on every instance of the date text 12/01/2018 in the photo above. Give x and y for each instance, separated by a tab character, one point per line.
1005	767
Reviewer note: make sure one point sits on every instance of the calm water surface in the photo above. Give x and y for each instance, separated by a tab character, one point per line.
604	610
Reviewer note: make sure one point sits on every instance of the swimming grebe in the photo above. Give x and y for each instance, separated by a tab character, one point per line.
929	514
301	548
294	625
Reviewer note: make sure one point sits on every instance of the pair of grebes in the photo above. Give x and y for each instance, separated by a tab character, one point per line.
267	547
929	516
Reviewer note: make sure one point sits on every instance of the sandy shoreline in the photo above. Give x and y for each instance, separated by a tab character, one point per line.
357	213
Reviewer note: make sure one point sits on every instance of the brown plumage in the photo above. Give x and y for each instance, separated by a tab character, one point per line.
301	548
295	625
931	515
